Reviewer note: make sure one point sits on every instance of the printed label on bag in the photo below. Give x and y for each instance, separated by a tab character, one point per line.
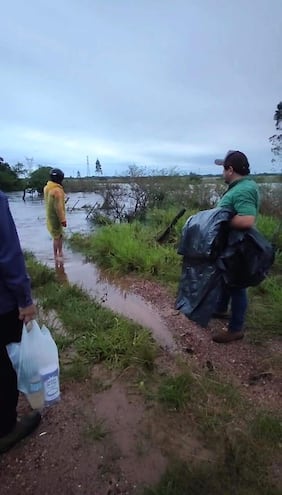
51	385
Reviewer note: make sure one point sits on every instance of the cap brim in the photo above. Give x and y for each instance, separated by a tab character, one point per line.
219	161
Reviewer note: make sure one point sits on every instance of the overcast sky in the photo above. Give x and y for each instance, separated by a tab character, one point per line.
158	83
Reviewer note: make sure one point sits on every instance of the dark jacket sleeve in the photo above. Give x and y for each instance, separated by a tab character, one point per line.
12	265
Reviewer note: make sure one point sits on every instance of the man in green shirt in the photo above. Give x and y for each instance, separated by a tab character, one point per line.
243	197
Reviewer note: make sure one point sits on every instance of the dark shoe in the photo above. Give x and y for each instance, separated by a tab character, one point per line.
221	316
225	337
23	428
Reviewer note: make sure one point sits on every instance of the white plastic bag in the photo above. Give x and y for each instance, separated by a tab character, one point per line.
13	350
38	373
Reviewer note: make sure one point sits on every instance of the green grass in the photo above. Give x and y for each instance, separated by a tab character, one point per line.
63	342
212	403
95	431
175	392
271	228
40	274
131	248
267	428
264	317
75	370
215	478
245	441
238	468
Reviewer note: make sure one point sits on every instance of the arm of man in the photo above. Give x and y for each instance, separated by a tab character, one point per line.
246	207
242	221
12	264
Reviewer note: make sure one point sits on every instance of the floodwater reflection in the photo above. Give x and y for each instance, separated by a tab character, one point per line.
60	272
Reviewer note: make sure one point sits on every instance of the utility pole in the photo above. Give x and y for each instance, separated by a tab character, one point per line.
98	167
29	162
88	167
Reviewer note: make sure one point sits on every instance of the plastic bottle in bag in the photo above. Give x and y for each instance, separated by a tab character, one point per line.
35	394
38	375
50	380
49	373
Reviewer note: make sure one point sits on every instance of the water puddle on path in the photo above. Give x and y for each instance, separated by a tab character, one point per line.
29	217
116	296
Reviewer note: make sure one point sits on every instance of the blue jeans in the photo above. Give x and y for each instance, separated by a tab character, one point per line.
239	304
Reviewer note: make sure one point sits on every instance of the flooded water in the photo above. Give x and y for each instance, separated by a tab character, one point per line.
29	217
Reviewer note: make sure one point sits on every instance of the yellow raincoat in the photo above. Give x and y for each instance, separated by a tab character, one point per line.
54	197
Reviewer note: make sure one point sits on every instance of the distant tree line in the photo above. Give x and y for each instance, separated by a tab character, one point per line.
17	178
10	176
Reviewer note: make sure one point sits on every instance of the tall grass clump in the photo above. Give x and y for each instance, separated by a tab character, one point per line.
271	228
131	248
175	392
271	203
264	318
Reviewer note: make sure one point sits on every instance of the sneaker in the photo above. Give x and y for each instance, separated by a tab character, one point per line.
23	428
221	316
225	337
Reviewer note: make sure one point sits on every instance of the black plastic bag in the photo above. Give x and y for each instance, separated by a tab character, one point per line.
247	258
204	234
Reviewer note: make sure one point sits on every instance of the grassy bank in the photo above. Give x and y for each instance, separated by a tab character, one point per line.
242	442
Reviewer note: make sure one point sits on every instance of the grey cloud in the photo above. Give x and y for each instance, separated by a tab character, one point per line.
139	79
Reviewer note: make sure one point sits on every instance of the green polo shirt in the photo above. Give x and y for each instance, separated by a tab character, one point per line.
242	196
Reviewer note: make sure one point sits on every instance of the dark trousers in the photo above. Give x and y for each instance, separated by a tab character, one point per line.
239	304
10	331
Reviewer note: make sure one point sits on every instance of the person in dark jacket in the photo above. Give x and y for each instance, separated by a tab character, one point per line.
242	197
16	308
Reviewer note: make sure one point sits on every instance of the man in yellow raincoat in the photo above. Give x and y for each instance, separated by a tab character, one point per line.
54	197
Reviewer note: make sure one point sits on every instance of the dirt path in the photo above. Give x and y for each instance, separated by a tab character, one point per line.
252	367
96	443
109	441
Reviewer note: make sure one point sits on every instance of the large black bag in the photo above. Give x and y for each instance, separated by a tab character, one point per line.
214	256
247	258
204	236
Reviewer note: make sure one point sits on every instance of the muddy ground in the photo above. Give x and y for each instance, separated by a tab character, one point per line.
110	441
